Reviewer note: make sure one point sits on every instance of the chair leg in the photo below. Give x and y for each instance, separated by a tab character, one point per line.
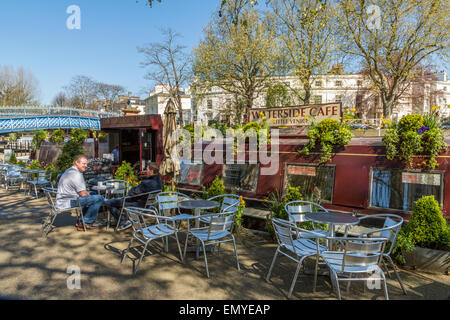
299	265
271	266
179	247
235	253
386	268
80	211
316	269
126	251
206	260
338	290
185	246
396	274
142	256
385	285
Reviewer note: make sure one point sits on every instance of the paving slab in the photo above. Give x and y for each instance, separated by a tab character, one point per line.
34	267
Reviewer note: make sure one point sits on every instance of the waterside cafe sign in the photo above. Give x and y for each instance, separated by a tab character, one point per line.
297	116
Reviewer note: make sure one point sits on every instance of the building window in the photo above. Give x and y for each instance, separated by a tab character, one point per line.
312	178
359	83
338	83
209	104
244	177
338	98
398	189
318	83
317	99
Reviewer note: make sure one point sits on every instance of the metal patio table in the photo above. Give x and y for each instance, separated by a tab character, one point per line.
332	218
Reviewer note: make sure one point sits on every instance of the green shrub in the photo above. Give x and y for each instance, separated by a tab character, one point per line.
403	244
411	122
70	150
12	158
217	188
126	172
79	135
57	136
38	137
328	135
427	226
276	203
415	135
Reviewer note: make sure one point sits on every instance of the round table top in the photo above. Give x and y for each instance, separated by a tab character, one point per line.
198	204
332	217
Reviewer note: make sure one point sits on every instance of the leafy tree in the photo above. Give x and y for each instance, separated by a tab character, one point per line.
18	87
57	136
278	96
392	42
307	29
70	150
39	136
239	54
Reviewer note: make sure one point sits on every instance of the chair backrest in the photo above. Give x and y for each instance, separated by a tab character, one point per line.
390	229
229	202
169	200
133	216
283	232
151	199
222	223
296	209
120	187
50	195
44	175
361	252
138	224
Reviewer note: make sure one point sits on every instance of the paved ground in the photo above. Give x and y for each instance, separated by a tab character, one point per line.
33	267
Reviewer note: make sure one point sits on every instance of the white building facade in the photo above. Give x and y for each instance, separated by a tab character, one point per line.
353	90
158	98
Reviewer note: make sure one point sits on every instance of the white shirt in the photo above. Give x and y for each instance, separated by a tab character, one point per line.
70	183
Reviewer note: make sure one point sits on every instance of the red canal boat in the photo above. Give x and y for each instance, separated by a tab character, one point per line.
358	179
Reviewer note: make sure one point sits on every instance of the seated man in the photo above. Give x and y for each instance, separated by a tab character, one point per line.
71	186
151	183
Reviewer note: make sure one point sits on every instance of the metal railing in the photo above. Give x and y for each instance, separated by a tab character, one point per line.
21	111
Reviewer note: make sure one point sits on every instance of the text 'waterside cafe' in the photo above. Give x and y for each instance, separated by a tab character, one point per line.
359	178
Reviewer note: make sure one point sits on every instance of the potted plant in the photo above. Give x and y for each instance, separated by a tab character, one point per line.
414	135
327	136
424	242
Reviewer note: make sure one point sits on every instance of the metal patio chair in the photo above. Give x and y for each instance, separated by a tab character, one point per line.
47	223
229	204
145	233
296	244
42	180
13	177
296	211
120	188
390	230
359	256
168	204
148	195
218	231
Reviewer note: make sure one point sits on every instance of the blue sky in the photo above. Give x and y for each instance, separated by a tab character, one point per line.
34	35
